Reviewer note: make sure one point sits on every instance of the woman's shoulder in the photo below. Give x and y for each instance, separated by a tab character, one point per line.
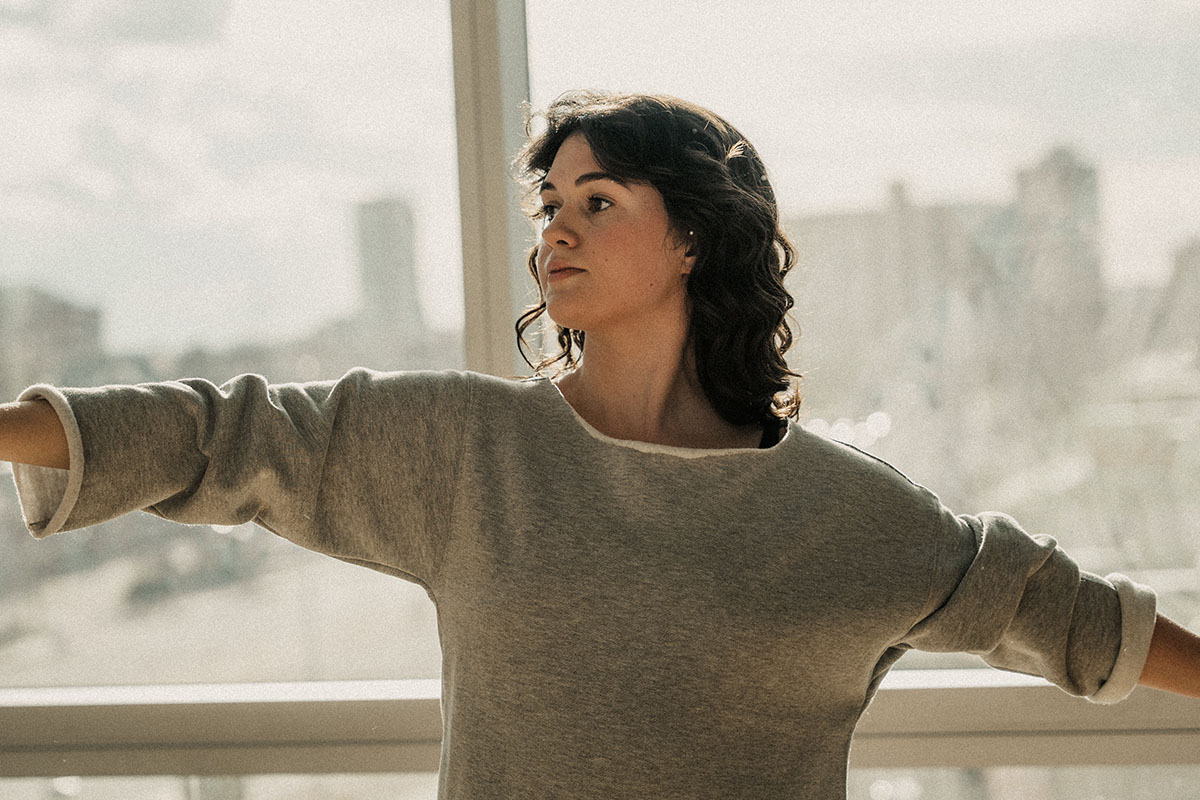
482	394
842	470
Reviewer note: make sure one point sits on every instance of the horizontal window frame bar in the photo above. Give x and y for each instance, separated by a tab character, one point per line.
1027	749
920	718
319	758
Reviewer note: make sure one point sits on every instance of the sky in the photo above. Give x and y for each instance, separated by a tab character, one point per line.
192	168
201	188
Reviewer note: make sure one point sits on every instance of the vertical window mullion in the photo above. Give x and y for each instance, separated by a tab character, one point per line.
491	84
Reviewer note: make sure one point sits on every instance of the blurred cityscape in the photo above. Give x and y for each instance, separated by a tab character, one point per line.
48	339
142	574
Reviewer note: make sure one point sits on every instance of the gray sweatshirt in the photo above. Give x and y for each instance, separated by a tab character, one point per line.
617	619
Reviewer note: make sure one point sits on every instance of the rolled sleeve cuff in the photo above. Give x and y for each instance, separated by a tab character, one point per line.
47	495
1138	614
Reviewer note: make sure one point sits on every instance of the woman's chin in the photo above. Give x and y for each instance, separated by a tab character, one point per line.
565	319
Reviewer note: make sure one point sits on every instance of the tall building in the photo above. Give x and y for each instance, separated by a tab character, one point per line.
390	330
1050	278
882	296
386	235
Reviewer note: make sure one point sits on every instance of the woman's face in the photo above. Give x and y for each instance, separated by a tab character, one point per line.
607	256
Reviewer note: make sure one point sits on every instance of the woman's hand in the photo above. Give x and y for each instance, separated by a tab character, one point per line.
31	433
1173	663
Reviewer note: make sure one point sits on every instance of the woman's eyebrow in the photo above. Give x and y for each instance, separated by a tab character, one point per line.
588	176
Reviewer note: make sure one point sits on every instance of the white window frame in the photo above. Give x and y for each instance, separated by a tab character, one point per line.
920	718
491	88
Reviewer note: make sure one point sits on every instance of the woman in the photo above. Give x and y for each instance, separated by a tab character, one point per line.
650	582
668	255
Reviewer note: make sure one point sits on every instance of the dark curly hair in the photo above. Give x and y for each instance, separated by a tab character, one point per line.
713	184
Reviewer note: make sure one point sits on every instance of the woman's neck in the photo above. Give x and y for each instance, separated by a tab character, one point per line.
647	392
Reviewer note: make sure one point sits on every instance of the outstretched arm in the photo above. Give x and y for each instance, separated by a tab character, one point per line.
1173	663
31	433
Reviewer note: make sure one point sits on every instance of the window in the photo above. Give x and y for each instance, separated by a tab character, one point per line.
205	189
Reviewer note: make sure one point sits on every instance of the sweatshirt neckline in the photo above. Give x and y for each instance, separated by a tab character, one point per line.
662	449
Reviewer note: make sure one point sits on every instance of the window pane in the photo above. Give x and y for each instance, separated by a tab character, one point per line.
1022	783
996	213
202	189
417	786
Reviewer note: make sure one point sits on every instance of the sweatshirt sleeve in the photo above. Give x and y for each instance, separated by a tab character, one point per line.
363	468
1023	604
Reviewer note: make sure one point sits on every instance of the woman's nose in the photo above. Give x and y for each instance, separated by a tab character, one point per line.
558	233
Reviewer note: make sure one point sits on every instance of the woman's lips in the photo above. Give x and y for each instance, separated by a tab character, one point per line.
558	273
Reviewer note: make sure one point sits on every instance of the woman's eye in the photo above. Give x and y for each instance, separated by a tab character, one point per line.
594	205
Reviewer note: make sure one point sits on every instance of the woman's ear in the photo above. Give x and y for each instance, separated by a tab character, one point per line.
689	255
